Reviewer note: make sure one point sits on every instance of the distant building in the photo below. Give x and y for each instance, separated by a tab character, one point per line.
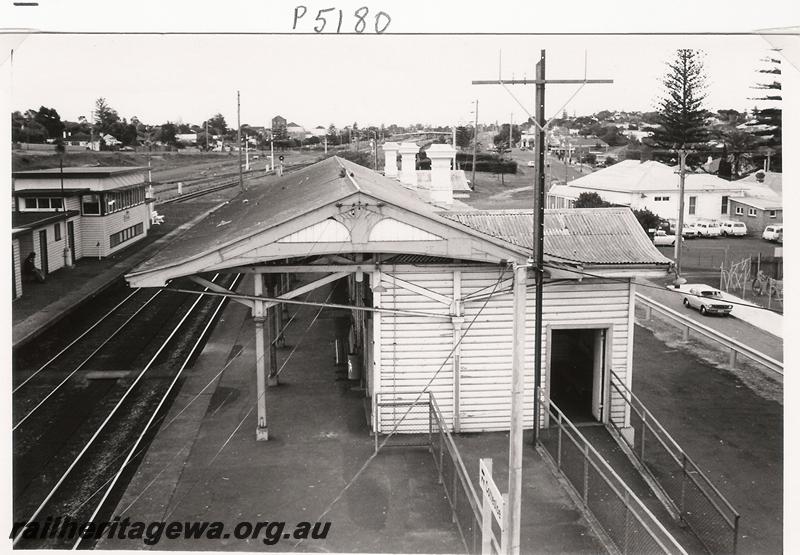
186	138
279	127
654	186
762	202
295	131
319	131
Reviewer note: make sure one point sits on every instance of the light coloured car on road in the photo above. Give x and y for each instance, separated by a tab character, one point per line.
663	239
706	299
707	229
732	229
773	232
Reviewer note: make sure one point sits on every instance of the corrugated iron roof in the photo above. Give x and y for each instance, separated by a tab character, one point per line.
585	235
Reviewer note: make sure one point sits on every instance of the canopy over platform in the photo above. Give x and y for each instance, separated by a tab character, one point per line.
336	207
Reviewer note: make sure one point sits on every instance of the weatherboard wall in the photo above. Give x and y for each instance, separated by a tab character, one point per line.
472	382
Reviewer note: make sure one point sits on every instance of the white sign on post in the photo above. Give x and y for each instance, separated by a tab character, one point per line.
494	504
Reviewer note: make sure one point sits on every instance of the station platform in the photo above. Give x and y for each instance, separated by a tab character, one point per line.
206	465
43	304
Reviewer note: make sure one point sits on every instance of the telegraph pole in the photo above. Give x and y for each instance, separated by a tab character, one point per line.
679	232
239	135
517	370
475	145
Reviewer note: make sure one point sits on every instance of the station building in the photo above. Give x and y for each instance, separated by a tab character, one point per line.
65	215
436	278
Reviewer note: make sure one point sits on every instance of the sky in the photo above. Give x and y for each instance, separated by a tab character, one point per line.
322	79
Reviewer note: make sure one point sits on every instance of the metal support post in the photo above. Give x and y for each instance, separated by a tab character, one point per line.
262	433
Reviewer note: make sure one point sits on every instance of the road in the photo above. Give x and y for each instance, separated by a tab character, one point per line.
732	432
735	328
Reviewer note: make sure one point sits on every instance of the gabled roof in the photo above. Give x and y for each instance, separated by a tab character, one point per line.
632	176
584	235
269	204
264	214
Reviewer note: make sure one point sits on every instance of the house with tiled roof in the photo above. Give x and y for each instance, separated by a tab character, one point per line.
429	283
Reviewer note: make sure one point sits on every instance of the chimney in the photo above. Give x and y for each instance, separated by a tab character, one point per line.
408	164
390	154
441	180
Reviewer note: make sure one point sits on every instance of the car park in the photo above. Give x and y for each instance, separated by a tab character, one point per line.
732	229
707	229
706	299
773	232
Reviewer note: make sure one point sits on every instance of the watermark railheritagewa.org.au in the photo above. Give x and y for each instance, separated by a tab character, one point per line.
150	533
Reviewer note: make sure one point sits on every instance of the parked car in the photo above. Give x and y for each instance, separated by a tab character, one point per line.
732	229
707	229
531	163
773	232
689	231
706	299
661	238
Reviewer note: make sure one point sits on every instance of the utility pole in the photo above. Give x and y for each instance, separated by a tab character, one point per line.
475	145
679	232
517	370
239	135
206	135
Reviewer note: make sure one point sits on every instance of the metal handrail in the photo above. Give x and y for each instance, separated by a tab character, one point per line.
759	357
674	449
616	483
689	468
472	495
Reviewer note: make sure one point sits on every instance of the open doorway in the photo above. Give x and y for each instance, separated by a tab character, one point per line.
577	372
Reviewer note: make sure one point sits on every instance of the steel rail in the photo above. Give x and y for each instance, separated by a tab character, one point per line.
133	451
83	363
728	342
105	422
65	349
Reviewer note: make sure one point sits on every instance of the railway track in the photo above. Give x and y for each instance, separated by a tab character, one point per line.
83	417
224	181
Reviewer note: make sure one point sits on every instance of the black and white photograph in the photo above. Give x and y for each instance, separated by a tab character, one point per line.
491	278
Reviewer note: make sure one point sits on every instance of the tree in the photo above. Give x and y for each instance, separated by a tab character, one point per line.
217	125
681	118
648	220
50	120
767	124
502	137
464	136
590	200
104	116
167	134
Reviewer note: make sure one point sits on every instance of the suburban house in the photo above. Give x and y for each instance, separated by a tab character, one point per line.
319	131
654	186
435	278
295	131
761	204
64	215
